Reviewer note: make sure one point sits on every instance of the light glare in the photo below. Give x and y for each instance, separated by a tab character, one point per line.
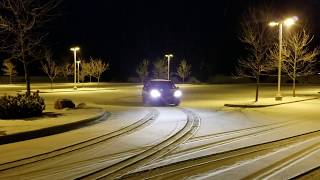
177	93
290	21
155	93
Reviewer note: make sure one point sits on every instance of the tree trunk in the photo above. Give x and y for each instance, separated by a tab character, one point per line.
27	78
51	83
294	75
183	80
294	80
294	87
257	88
98	80
90	78
25	66
10	79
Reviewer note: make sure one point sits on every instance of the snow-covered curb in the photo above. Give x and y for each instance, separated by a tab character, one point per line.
70	90
267	103
20	130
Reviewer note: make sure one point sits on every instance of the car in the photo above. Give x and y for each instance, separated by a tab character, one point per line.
161	91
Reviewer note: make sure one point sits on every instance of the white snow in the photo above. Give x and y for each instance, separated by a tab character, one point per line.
221	129
49	119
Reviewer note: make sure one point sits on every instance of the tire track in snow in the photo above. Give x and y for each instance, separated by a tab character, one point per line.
284	163
234	132
215	162
311	174
157	151
143	122
251	133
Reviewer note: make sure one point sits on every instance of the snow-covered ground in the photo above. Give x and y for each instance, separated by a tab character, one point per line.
201	139
48	119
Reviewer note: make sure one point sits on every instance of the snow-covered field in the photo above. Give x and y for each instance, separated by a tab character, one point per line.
201	139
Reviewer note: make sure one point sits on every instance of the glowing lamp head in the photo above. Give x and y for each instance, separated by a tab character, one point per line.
177	94
290	21
155	93
75	49
273	24
168	56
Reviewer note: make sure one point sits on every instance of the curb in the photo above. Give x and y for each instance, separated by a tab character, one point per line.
266	105
48	131
44	91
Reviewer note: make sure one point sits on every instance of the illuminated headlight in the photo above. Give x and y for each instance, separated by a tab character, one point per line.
177	93
155	93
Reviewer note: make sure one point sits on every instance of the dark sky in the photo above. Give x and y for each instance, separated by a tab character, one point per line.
125	32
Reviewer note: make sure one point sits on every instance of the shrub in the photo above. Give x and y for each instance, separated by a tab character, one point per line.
21	106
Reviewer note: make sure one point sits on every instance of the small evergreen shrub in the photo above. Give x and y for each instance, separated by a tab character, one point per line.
21	106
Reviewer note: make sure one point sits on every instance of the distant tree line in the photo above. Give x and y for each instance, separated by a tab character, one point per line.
159	70
88	68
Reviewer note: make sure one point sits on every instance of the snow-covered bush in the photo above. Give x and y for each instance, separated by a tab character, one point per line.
21	106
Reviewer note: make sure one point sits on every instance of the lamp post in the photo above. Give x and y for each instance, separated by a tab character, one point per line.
75	49
168	56
287	22
78	64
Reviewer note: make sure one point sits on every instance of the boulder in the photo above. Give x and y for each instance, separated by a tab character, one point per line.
81	106
64	103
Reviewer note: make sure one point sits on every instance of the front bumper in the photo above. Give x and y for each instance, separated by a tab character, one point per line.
162	100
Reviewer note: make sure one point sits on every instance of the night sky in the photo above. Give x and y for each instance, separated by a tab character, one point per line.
123	33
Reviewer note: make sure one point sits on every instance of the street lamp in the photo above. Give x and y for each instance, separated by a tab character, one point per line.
75	49
78	64
287	22
168	56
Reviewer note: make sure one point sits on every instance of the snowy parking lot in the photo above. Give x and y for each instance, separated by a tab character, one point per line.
200	139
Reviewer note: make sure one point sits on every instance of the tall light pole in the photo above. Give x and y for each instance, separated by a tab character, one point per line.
75	49
287	22
78	64
168	56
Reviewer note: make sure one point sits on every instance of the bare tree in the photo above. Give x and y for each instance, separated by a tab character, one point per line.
87	69
91	69
20	21
142	70
66	70
298	58
99	67
9	69
256	36
184	70
50	67
84	69
160	69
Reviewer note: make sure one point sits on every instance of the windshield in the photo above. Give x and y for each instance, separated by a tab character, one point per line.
162	85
